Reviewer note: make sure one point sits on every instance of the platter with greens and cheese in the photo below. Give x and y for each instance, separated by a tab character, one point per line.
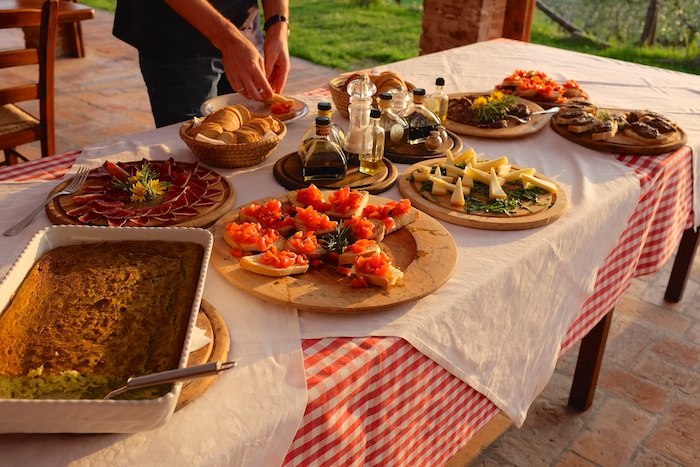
490	194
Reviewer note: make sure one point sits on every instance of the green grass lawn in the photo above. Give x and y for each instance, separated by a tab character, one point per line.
346	35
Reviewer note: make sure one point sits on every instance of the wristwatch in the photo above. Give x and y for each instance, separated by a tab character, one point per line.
274	19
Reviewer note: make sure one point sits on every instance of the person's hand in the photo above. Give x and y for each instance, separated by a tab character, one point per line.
245	69
276	50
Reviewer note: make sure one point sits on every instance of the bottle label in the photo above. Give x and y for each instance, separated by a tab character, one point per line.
396	133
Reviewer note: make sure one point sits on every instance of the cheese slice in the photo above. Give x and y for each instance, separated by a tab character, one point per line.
466	156
504	169
486	165
457	198
450	158
544	184
481	176
420	176
438	189
453	170
515	174
495	188
439	181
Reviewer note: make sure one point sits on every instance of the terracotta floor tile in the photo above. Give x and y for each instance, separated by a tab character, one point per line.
641	392
612	438
678	435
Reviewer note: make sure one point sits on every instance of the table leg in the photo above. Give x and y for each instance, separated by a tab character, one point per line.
590	357
681	265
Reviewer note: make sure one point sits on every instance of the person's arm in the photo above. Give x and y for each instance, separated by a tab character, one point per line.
276	47
243	64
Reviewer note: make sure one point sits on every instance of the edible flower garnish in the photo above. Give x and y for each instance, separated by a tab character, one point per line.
494	107
143	186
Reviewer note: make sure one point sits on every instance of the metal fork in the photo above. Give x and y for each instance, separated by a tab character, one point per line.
71	188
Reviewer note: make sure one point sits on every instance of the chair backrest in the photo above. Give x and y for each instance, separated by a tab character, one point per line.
43	55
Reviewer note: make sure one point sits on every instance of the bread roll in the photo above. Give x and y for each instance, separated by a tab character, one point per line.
208	129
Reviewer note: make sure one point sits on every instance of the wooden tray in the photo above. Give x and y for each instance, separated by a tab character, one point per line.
408	154
217	351
57	208
456	215
287	171
536	123
423	250
621	143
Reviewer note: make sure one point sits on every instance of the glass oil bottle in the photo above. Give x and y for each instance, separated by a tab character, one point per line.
321	158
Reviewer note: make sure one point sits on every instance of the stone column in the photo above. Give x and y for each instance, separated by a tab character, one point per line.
452	23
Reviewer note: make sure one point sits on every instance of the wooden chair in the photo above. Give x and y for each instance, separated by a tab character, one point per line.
18	127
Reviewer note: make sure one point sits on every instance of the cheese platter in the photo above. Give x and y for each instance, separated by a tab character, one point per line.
507	198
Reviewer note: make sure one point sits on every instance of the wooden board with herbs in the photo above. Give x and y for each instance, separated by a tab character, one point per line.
621	142
514	129
287	172
508	216
424	251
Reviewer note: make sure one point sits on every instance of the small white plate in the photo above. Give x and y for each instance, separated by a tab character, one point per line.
219	102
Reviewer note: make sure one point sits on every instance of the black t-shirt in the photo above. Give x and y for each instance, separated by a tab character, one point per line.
157	30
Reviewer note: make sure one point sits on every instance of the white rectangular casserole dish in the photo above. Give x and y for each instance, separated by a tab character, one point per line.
96	416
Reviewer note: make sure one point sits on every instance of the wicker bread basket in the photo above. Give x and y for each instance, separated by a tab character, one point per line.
341	99
232	155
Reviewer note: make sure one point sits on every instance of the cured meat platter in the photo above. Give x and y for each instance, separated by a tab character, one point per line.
424	251
192	196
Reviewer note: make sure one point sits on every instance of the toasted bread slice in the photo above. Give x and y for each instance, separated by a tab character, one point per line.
253	263
382	281
645	133
264	239
304	243
310	219
359	248
345	203
363	228
604	130
310	196
583	124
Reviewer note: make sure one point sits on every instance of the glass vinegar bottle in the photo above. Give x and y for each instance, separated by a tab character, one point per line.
438	101
371	158
395	128
419	119
321	158
361	91
337	135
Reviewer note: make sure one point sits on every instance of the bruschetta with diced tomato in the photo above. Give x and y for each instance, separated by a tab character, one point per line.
377	270
394	215
251	236
270	215
305	243
276	263
345	203
309	219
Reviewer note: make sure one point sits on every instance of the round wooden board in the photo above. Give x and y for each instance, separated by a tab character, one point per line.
217	351
287	172
621	143
518	130
408	154
57	208
457	215
423	250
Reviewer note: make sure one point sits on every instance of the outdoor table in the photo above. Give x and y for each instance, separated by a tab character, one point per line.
315	395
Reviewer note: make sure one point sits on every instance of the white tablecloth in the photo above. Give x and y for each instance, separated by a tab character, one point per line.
485	325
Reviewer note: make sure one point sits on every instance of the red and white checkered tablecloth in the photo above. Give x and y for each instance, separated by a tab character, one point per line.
374	401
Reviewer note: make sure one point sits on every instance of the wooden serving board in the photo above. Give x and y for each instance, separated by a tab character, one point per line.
225	201
410	154
217	351
287	171
621	143
457	215
423	250
515	130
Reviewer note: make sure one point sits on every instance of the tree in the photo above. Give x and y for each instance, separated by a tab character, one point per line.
652	18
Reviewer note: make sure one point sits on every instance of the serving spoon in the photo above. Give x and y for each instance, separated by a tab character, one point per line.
172	376
539	112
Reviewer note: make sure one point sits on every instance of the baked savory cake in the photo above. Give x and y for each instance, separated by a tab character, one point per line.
88	317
